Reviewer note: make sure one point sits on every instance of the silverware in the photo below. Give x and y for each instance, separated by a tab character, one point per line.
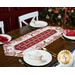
64	38
21	62
53	54
45	49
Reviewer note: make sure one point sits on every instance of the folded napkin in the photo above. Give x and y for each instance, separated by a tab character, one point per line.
33	22
36	56
69	32
3	39
36	23
72	64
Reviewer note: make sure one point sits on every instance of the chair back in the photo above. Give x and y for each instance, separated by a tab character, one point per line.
2	26
24	17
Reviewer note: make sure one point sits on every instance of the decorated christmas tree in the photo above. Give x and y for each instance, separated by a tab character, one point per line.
64	15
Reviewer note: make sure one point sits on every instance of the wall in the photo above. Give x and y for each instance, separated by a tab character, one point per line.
10	16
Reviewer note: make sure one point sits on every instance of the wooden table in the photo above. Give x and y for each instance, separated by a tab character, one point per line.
55	47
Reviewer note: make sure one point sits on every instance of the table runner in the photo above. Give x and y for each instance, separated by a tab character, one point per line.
32	41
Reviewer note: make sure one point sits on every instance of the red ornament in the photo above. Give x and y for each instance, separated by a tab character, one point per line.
67	17
56	11
70	8
66	8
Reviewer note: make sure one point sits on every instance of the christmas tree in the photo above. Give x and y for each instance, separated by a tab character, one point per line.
64	15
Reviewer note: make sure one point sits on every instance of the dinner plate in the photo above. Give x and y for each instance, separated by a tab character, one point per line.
69	37
37	62
5	35
38	24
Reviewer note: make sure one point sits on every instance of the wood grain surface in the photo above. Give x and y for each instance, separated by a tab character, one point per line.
55	47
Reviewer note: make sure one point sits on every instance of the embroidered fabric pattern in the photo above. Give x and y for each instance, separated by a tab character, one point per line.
34	40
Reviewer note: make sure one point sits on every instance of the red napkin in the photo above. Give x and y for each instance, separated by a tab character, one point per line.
3	39
69	32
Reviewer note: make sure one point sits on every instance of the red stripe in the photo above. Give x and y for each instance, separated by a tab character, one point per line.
34	40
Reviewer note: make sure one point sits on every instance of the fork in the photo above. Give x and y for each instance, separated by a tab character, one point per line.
21	62
53	54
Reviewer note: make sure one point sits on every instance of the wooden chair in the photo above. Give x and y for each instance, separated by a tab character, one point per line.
2	27
24	17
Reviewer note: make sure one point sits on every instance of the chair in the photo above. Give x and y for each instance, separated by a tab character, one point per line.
2	26
24	17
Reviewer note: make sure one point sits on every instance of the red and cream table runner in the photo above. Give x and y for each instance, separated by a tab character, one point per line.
32	41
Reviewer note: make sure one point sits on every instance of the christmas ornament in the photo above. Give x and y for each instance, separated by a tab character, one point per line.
72	11
66	8
56	11
59	16
62	21
64	15
69	11
53	23
70	8
52	14
58	23
49	10
47	17
67	17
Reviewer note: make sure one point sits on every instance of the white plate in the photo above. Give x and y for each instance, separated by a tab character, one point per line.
38	62
9	37
38	24
69	37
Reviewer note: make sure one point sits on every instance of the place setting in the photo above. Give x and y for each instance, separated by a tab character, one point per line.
37	58
4	38
69	35
38	24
